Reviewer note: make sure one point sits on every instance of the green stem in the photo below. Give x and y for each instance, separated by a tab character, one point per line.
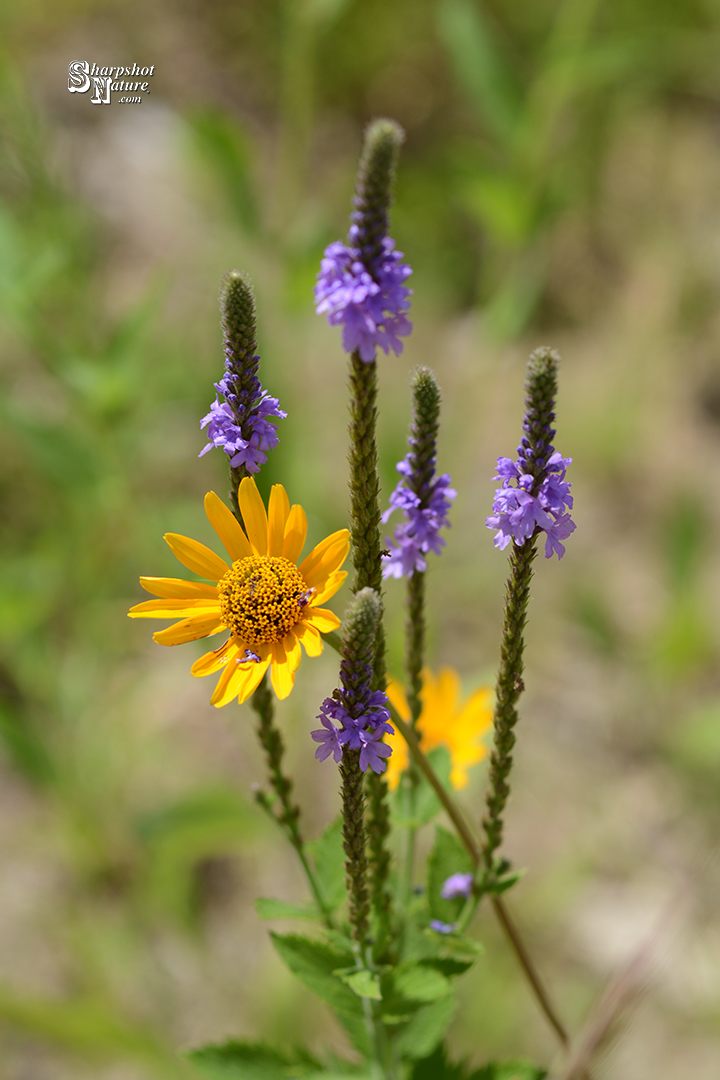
367	558
414	660
473	848
272	743
508	689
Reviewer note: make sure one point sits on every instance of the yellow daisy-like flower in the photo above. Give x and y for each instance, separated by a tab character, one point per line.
442	722
268	602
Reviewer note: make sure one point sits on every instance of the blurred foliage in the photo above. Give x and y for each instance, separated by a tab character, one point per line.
535	135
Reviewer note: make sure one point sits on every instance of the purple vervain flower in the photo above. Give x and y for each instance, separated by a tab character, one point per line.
457	885
422	497
535	496
362	731
367	299
360	283
241	425
441	927
523	505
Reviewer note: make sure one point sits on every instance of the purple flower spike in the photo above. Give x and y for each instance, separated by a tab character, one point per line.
360	284
369	300
457	885
241	425
517	513
423	498
535	496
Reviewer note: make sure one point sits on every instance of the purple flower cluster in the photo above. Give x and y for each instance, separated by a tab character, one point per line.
369	300
517	513
363	733
424	517
457	885
441	927
246	443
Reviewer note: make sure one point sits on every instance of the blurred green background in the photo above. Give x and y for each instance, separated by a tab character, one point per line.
560	184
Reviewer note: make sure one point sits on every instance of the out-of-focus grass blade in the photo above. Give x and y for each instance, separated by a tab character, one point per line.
479	65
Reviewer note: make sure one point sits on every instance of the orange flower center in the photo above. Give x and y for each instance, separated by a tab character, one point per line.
261	598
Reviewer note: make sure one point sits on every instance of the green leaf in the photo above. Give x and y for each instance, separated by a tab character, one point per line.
508	1070
329	858
426	1028
366	984
315	963
267	908
437	1067
447	857
420	983
241	1061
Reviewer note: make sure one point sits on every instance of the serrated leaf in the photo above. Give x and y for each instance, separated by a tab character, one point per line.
241	1061
366	984
426	1028
329	859
447	857
267	908
315	963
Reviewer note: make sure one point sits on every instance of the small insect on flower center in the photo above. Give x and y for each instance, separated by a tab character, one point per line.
261	598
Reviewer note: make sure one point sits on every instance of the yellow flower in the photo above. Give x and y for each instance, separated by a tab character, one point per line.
443	721
265	599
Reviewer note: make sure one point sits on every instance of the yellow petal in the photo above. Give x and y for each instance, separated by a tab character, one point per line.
322	619
278	512
396	693
331	586
175	609
327	556
234	682
398	760
281	672
198	558
309	638
252	680
254	515
176	587
218	658
190	630
295	533
293	652
227	527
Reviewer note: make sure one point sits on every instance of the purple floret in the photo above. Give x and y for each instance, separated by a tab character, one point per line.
328	737
368	301
457	885
517	513
442	927
373	751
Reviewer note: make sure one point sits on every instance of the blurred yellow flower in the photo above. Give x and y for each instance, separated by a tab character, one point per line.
266	599
444	721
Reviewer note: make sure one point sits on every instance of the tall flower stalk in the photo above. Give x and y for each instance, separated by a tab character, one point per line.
360	287
424	500
241	426
534	498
